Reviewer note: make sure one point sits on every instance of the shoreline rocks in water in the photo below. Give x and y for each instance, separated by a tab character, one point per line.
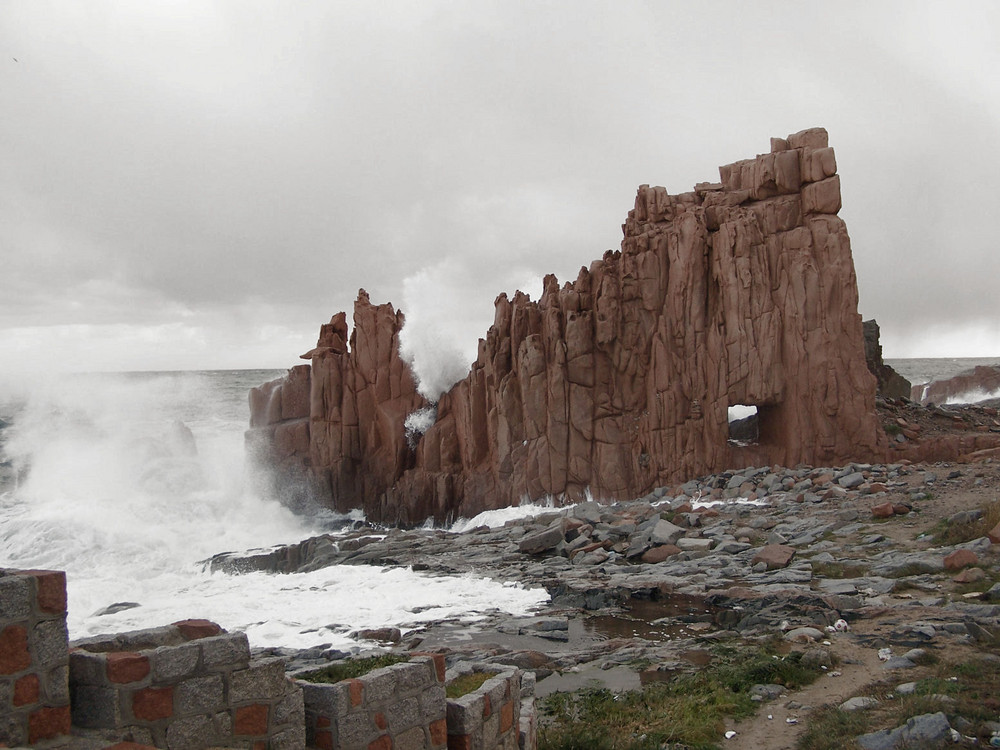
744	550
849	582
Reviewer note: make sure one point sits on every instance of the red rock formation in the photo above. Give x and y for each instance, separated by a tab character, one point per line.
979	383
739	292
890	383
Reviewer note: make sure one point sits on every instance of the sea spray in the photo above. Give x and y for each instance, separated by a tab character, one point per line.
130	482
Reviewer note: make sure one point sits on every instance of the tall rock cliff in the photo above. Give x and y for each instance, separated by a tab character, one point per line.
740	292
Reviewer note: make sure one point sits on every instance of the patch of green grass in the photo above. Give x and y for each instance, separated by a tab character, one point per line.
891	428
830	728
946	533
975	692
689	710
467	683
353	668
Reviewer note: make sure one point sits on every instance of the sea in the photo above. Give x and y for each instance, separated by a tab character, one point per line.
131	482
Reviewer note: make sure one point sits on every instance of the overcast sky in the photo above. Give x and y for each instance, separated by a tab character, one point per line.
194	185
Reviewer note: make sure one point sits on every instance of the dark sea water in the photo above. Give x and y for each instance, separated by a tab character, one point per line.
919	371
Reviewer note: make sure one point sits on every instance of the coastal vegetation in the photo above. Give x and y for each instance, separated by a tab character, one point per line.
688	711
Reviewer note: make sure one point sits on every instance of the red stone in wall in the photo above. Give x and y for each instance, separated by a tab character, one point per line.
194	629
439	732
14	655
125	666
357	691
26	690
51	590
251	720
507	716
152	704
48	723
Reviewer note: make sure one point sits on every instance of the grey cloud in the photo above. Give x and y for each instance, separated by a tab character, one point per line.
163	163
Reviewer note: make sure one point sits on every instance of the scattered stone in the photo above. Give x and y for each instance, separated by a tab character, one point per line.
960	558
993	595
766	692
661	553
884	510
115	608
851	480
858	703
774	556
804	635
666	533
994	534
542	541
970	575
927	730
385	635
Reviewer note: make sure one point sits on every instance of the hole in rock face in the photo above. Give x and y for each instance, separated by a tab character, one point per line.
744	424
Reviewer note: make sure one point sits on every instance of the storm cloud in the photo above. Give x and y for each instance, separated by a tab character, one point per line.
202	184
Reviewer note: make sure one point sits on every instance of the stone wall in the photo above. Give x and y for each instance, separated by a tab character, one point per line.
741	292
34	693
185	686
191	685
488	718
400	707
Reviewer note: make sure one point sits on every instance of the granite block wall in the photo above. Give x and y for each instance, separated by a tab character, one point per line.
185	686
488	718
400	707
34	693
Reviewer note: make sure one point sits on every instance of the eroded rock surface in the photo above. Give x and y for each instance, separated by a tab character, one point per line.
741	292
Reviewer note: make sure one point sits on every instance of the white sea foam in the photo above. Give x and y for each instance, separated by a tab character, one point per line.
113	490
496	518
972	397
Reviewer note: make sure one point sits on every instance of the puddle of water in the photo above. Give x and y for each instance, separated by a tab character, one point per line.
660	620
616	679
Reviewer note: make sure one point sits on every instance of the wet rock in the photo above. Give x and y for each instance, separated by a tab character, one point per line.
115	608
385	635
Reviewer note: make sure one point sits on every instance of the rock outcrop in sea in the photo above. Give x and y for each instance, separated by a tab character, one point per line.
978	384
740	292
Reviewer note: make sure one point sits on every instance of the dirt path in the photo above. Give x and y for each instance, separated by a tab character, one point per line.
770	728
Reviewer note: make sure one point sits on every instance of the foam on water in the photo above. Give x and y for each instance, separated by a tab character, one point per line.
496	518
129	482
